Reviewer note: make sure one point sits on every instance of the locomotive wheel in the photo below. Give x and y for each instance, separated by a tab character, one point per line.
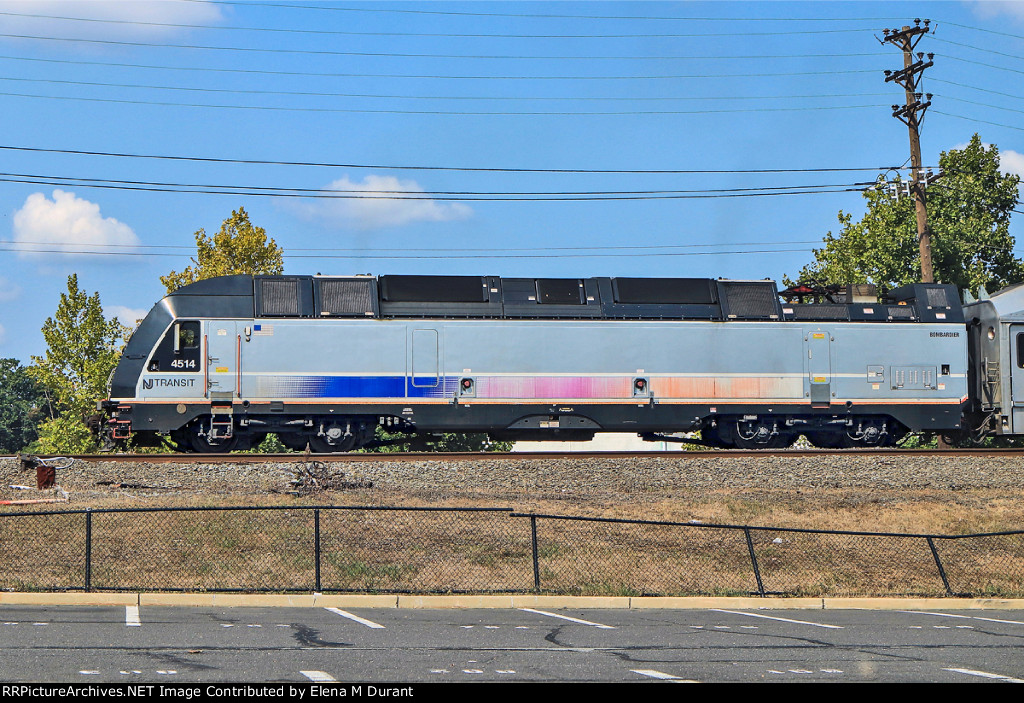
754	435
201	445
320	445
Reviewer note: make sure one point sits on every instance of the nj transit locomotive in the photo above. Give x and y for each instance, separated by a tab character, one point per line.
321	361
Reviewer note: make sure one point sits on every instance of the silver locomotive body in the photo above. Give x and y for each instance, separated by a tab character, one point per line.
321	360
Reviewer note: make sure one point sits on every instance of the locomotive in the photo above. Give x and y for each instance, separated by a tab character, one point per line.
322	361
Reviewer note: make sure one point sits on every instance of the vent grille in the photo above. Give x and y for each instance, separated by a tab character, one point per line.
279	298
821	312
901	312
937	298
346	297
751	300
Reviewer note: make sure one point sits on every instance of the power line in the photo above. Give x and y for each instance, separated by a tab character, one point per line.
242	190
239	91
354	256
291	6
987	31
456	113
431	76
973	87
471	169
980	63
978	48
327	52
973	102
73	181
443	35
974	119
436	250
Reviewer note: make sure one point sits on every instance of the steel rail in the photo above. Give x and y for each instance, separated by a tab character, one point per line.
358	457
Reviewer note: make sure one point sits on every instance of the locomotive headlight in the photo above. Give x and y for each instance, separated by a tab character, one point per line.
991	333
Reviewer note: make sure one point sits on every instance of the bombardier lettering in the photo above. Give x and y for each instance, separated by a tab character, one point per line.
943	334
148	383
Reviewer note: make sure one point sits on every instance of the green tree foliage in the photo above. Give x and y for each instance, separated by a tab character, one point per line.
969	210
238	247
82	350
22	407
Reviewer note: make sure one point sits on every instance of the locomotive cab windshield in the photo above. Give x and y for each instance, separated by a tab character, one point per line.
179	349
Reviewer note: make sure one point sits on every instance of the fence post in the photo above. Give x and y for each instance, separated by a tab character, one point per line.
938	563
753	560
316	546
88	549
536	563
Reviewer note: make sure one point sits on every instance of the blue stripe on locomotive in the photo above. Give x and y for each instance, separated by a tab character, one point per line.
355	387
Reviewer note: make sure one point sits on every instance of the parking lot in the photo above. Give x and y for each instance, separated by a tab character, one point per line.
82	644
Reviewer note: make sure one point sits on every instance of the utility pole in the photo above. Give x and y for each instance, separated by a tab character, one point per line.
911	115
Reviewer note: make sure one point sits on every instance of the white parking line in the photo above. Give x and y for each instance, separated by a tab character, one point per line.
566	617
131	616
318	676
769	617
661	675
356	618
986	675
965	617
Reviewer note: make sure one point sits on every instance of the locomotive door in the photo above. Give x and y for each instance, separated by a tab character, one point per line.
223	360
425	358
1015	362
818	346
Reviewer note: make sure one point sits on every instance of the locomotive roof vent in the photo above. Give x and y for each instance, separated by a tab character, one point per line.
750	300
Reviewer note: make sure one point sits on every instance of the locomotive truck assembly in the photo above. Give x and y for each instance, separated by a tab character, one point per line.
322	361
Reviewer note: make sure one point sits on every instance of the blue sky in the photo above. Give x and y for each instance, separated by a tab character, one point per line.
519	134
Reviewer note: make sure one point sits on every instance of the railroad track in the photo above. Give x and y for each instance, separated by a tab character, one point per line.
299	457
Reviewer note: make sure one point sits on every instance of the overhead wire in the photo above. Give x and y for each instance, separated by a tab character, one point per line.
241	91
390	54
443	35
414	195
329	192
423	167
393	256
438	76
457	113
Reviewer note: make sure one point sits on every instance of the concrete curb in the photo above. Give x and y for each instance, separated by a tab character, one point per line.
319	600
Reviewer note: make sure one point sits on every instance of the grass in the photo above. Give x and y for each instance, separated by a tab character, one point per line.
376	550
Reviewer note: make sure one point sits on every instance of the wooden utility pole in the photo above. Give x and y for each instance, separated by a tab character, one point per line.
911	115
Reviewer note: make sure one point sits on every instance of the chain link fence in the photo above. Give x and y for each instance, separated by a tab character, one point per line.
463	550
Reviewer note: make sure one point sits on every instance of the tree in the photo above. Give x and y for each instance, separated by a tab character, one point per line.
237	248
82	350
969	210
22	407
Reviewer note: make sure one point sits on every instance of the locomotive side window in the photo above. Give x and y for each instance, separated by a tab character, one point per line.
178	351
1020	350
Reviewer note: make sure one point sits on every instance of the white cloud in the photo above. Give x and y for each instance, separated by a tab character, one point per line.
375	210
1011	162
125	315
106	19
66	224
993	8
